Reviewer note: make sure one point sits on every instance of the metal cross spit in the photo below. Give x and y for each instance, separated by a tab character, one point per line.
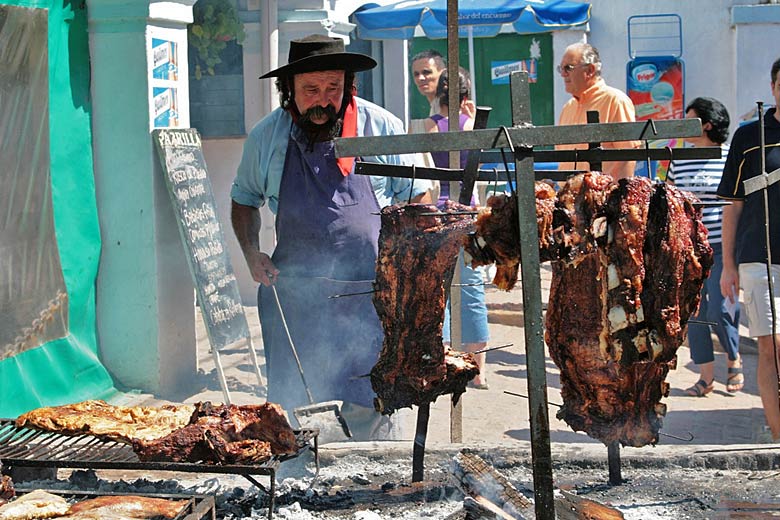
521	140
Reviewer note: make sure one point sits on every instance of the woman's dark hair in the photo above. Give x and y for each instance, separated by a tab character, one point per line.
284	84
443	88
712	111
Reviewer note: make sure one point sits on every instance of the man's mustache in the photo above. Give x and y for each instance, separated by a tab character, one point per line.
318	112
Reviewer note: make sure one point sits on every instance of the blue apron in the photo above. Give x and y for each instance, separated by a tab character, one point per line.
327	239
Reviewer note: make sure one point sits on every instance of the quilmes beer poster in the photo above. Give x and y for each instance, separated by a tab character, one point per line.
656	85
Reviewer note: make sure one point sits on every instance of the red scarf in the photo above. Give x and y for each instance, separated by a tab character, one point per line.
348	129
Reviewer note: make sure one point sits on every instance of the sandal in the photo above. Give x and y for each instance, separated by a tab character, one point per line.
479	386
735	380
700	389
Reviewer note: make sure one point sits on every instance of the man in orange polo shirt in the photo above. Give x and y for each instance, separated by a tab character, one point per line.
581	71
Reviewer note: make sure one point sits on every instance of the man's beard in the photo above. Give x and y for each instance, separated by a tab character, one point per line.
320	132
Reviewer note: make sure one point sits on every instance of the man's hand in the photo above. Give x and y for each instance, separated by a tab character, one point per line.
729	277
729	283
262	268
246	225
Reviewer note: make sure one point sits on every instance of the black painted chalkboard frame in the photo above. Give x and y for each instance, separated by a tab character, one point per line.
190	193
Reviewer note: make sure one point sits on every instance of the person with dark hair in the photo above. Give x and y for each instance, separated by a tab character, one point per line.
748	261
427	66
580	69
702	177
474	324
327	229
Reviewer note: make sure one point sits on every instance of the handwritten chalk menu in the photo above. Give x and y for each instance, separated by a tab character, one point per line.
188	185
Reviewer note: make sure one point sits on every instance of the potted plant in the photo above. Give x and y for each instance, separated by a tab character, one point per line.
215	23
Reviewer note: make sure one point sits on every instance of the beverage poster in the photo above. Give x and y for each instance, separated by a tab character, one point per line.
656	86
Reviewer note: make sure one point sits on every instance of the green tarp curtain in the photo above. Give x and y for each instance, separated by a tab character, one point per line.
63	370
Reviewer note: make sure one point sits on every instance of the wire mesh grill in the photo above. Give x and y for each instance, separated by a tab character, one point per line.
36	448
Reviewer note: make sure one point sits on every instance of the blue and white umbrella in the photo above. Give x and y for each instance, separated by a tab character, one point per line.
476	18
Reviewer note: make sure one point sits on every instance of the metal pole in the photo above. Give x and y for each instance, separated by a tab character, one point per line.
532	307
453	116
613	459
762	143
593	117
418	452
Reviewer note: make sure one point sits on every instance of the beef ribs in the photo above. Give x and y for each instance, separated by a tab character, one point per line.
224	434
125	506
98	418
416	262
629	259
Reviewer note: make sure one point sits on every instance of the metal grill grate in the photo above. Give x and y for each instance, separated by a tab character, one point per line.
26	447
29	447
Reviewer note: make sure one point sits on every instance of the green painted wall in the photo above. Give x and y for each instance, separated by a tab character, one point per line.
504	47
66	370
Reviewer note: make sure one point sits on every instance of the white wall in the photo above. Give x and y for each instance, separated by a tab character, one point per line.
708	43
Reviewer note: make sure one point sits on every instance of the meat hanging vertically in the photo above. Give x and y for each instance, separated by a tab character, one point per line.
416	262
629	259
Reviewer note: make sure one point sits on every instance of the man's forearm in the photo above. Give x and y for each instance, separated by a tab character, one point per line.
731	215
246	226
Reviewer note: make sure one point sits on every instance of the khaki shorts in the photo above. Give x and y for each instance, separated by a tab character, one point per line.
755	292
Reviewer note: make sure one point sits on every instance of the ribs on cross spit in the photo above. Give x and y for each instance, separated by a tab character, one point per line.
629	259
416	262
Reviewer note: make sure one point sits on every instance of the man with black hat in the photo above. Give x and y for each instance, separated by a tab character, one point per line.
327	228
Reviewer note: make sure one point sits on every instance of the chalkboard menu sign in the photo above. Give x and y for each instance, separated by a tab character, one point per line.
188	185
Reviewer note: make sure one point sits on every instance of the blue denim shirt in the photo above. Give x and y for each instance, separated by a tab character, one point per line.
262	162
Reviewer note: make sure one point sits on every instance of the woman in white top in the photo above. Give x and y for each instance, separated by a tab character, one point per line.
702	176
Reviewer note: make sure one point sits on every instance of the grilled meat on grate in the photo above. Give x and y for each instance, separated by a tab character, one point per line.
125	506
98	418
34	505
224	434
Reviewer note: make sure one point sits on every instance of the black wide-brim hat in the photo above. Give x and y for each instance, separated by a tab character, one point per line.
318	52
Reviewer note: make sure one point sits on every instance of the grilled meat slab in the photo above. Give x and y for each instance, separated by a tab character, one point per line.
33	505
98	418
629	259
416	262
125	506
224	434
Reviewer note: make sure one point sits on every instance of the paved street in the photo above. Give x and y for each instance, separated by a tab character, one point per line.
494	418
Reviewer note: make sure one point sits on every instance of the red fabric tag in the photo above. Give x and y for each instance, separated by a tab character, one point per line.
348	129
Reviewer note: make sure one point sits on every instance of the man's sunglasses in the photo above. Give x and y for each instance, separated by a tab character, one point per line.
568	68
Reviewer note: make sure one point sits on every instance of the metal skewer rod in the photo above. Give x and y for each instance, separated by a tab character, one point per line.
447	214
770	281
351	294
689	439
700	322
488	349
372	291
